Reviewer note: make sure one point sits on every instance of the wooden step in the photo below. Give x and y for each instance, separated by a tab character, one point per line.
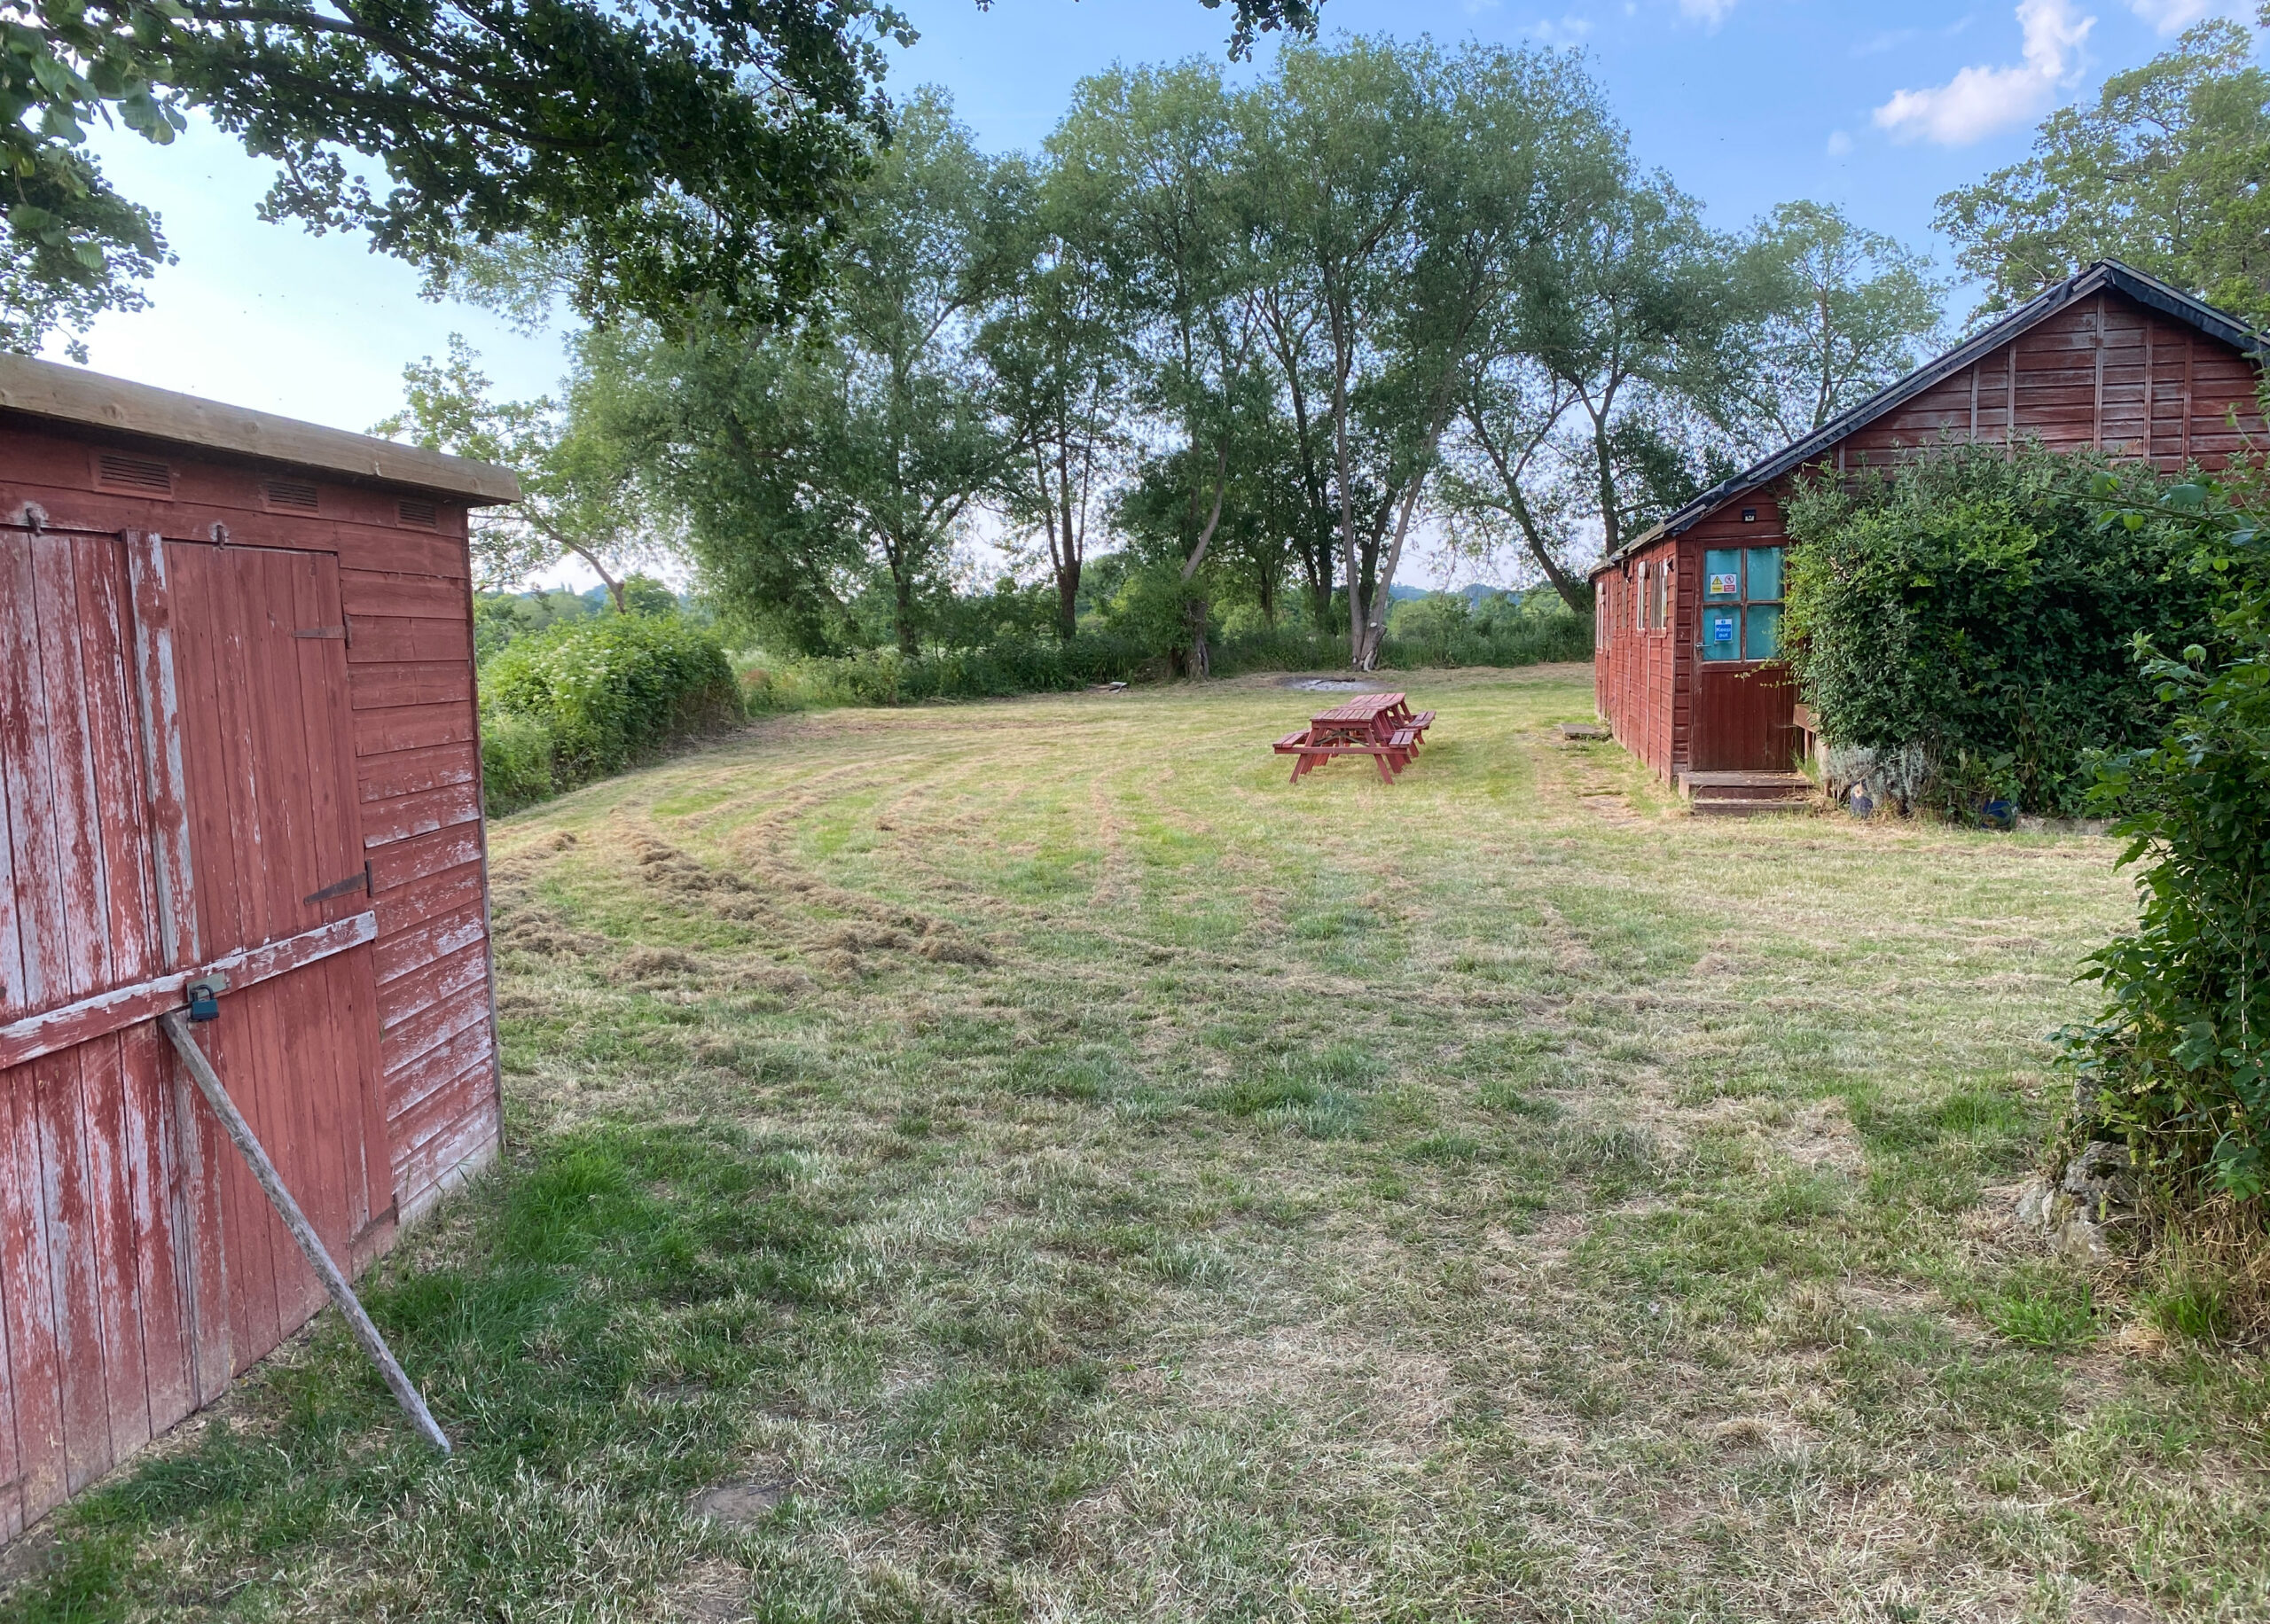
1746	786
1744	795
1705	806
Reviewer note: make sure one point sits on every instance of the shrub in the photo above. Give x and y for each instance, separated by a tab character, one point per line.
1044	665
1974	606
2179	1064
885	676
611	689
515	761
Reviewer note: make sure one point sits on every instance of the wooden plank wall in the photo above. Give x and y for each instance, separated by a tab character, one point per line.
2154	387
1638	672
406	586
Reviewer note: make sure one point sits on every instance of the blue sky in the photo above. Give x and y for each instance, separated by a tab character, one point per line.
1745	102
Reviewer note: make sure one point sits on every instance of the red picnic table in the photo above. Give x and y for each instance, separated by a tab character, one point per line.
1380	725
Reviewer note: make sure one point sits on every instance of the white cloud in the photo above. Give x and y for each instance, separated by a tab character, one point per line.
1979	101
2174	16
1568	31
1710	13
1839	144
1891	39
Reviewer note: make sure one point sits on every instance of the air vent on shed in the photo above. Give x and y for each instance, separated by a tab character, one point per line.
292	496
119	472
421	514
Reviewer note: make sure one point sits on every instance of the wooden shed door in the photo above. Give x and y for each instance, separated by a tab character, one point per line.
140	1266
1745	718
259	667
96	1349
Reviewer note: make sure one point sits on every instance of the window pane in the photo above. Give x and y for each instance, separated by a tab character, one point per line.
1765	575
1721	634
1764	631
1722	574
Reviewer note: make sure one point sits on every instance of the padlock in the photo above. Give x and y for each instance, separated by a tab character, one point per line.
205	996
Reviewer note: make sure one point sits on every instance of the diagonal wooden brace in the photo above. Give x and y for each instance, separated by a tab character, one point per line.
350	1306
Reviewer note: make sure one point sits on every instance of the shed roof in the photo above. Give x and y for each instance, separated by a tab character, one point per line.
2146	290
59	393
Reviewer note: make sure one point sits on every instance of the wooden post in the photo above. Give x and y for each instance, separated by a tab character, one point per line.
208	1082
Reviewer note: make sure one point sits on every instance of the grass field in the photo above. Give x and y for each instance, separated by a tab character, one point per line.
1027	1160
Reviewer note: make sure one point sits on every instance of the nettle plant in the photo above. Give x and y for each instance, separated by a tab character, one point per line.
2179	1064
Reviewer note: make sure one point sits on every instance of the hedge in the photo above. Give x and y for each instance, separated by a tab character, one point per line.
1975	605
605	693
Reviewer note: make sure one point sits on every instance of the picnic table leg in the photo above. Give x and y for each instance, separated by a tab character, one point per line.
1387	773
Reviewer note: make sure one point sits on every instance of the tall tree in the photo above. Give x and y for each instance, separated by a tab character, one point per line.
1148	159
579	488
1628	306
1054	344
816	462
1504	178
1827	313
1337	146
2168	170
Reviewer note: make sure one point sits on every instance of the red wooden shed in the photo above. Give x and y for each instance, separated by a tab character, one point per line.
237	731
1689	613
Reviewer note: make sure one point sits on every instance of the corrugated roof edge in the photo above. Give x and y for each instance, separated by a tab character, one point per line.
62	394
2146	290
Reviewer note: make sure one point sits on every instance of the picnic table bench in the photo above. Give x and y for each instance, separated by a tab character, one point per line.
1380	725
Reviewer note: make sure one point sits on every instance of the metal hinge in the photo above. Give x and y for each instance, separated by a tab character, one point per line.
353	882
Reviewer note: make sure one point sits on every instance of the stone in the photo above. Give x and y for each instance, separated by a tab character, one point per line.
2080	1241
2101	1179
2059	1217
2034	1206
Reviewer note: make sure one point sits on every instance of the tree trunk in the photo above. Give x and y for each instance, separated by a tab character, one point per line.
902	606
1068	601
1611	526
1068	555
1194	607
1576	594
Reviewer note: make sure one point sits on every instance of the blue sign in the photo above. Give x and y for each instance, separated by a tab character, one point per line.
1722	629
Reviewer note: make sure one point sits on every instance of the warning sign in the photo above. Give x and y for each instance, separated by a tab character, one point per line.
1726	586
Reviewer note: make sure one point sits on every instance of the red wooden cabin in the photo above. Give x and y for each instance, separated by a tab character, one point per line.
1689	613
236	730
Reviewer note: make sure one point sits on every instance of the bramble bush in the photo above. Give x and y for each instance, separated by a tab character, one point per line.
605	691
2179	1064
1974	606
